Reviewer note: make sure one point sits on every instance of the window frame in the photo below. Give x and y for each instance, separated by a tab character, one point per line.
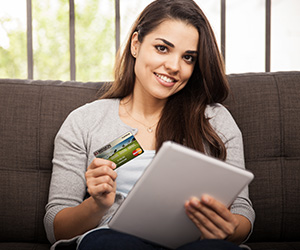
72	27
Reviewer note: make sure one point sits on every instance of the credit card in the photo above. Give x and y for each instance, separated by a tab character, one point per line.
120	150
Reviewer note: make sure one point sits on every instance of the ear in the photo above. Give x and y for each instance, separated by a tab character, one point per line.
135	44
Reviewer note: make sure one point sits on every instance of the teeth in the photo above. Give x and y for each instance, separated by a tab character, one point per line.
164	78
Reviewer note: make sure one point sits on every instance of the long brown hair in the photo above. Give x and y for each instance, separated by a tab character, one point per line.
183	117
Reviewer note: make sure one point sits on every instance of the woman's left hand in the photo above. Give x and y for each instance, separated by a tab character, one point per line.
212	218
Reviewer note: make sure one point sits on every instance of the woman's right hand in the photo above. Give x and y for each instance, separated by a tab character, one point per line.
101	182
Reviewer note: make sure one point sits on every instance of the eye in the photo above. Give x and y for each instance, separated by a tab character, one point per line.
189	58
161	48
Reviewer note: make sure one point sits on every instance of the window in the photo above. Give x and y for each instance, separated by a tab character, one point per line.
245	36
78	39
285	35
94	39
50	34
13	50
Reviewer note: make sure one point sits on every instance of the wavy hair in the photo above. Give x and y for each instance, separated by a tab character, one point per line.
183	118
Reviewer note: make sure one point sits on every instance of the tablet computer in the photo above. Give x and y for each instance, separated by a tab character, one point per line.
154	208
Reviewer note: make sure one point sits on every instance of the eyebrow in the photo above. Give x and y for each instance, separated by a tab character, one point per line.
173	46
166	42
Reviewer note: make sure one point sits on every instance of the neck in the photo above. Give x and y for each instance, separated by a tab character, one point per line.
143	108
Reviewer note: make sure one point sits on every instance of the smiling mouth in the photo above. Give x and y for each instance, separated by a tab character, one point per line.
165	78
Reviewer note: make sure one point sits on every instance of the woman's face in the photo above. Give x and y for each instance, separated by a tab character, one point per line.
165	59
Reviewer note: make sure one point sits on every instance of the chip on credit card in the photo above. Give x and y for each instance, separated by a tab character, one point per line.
120	150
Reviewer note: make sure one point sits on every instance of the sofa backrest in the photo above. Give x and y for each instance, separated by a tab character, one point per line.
31	112
265	106
267	110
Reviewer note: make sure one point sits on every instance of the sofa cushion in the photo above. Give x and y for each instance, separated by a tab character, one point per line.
24	246
275	246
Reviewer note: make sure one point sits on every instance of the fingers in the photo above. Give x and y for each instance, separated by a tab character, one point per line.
212	218
100	177
100	167
207	229
100	185
97	162
219	208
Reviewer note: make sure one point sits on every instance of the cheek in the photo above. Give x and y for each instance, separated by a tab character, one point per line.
138	69
142	64
189	71
148	58
179	87
186	75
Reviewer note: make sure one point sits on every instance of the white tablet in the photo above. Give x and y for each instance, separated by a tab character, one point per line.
154	208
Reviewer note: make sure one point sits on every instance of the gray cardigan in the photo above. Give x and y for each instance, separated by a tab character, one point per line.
92	126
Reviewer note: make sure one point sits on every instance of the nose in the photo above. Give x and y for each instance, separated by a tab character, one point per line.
172	64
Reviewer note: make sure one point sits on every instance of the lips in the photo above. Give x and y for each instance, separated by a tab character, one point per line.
165	80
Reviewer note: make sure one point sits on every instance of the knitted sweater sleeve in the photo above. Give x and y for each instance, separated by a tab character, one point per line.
225	126
67	187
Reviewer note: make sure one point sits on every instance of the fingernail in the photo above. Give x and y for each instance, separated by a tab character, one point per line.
114	165
188	208
205	198
195	201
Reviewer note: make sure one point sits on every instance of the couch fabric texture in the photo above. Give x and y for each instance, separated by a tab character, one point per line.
266	107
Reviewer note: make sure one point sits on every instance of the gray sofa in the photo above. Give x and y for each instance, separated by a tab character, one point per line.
266	107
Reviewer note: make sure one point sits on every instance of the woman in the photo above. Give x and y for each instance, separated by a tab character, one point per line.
169	83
